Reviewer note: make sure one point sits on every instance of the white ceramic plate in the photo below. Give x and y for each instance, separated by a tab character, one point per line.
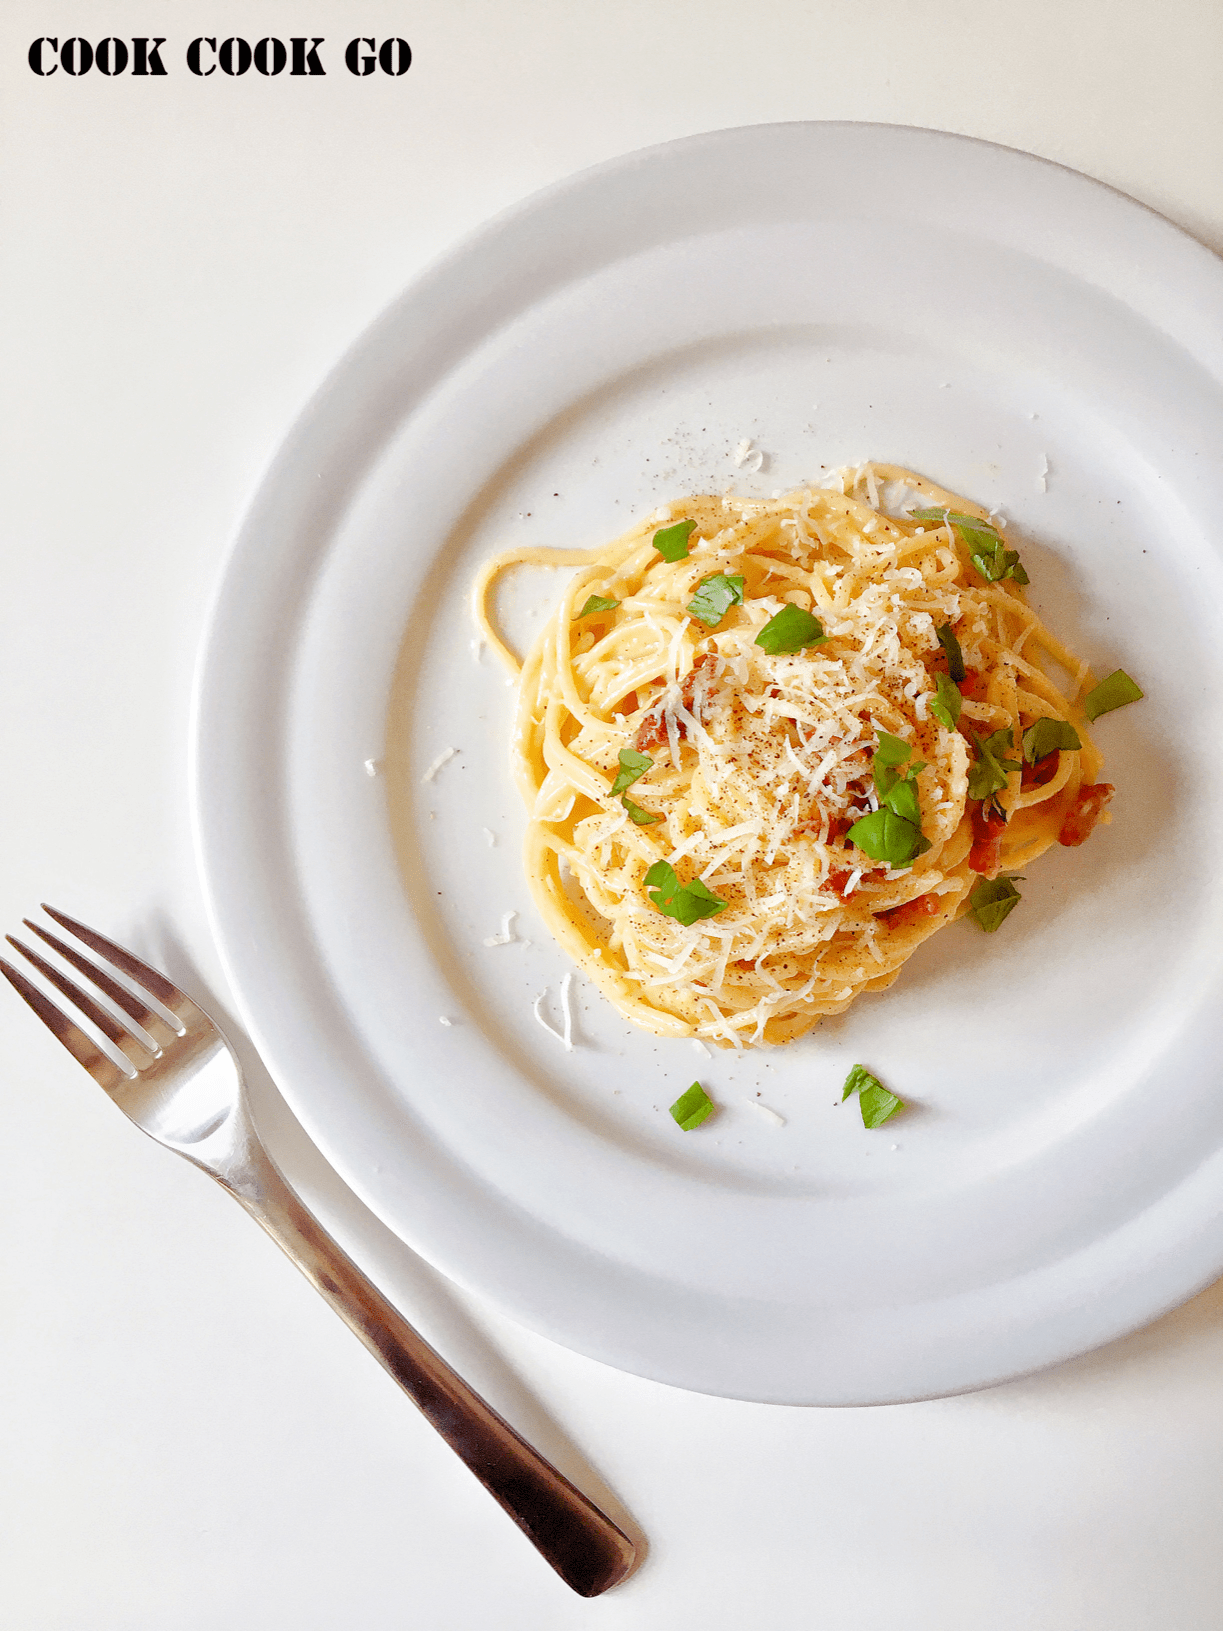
832	292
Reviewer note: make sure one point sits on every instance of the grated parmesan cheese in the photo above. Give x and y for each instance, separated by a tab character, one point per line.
565	1036
443	757
507	937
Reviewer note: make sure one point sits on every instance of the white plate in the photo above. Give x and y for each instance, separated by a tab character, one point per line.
832	292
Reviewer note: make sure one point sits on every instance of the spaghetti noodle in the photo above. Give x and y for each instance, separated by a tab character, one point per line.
738	824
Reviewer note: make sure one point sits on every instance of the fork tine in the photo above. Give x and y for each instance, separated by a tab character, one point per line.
106	1023
148	977
83	1048
144	1016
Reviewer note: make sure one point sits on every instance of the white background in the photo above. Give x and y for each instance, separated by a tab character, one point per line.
191	1440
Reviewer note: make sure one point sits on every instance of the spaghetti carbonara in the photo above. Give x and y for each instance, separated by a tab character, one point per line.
768	748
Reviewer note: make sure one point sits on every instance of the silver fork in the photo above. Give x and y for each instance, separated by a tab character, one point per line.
182	1085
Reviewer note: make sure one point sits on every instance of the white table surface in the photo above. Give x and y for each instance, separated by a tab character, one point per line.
190	1438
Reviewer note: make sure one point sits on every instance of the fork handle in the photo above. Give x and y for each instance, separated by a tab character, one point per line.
585	1548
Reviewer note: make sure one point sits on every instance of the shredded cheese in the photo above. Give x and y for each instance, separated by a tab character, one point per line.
443	757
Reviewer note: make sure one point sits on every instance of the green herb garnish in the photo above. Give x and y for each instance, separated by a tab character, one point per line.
714	597
686	903
946	706
1048	736
988	553
998	563
898	793
789	631
662	879
643	818
955	657
902	800
633	766
1114	692
596	603
892	750
886	836
989	774
971	528
857	1076
693	1107
672	542
992	899
874	1100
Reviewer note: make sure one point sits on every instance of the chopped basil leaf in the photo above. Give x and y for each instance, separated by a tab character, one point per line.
896	792
789	631
714	597
672	542
1114	692
643	818
696	901
890	753
940	512
892	750
877	1104
858	1077
943	715
996	563
596	603
633	766
988	553
662	877
1048	736
991	900
977	534
686	903
946	706
693	1107
902	800
889	780
955	657
989	774
886	836
874	1100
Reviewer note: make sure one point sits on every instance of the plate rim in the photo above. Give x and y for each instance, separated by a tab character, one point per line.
1197	1268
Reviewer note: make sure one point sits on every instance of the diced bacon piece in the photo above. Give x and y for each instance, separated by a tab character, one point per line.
838	879
652	732
838	826
1041	772
1089	805
701	673
970	686
912	911
988	826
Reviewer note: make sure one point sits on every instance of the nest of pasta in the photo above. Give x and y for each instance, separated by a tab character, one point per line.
738	825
